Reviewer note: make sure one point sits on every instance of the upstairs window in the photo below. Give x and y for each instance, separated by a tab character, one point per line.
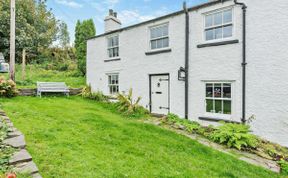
218	98
113	46
218	25
113	84
159	37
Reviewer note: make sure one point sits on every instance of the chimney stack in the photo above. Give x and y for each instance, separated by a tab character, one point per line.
112	22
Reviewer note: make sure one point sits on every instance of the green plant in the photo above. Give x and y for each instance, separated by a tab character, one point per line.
7	88
283	166
128	105
234	135
97	96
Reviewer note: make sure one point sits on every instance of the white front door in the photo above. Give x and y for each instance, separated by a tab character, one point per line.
159	94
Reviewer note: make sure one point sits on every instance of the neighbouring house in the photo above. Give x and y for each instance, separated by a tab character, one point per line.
221	60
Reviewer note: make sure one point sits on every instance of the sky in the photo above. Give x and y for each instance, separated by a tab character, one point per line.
129	11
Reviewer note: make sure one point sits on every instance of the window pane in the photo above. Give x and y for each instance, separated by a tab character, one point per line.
227	107
165	30
209	34
158	32
218	18
165	42
208	20
116	40
110	52
227	31
218	106
209	90
227	16
109	42
159	43
153	33
226	90
218	33
209	105
217	90
153	44
109	79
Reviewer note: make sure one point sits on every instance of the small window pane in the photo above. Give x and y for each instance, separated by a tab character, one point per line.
227	16
227	31
209	105
158	32
159	43
165	42
209	35
217	90
226	90
153	44
209	90
218	18
218	106
110	42
218	33
208	20
227	107
116	40
165	30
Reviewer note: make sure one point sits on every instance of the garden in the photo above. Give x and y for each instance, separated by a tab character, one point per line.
87	136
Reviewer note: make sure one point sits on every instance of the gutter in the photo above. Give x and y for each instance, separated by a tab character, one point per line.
186	59
244	63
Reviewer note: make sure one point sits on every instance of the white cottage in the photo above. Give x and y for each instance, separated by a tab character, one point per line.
222	60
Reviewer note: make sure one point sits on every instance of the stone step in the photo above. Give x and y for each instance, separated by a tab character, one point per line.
36	175
20	157
16	142
14	133
27	167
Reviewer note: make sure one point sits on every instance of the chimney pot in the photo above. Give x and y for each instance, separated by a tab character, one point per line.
115	14
111	12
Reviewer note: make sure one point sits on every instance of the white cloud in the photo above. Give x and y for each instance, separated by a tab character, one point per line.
69	3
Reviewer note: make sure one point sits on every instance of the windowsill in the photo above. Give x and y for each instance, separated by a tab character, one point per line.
217	119
218	43
112	59
158	51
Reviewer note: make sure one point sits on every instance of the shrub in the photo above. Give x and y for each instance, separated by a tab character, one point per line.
7	88
97	96
128	106
234	135
283	166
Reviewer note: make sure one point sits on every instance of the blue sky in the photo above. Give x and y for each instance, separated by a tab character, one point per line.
129	11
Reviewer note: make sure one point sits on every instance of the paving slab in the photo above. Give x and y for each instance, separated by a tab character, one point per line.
16	142
20	157
27	167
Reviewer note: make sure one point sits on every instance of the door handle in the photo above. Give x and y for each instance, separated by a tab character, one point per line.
158	92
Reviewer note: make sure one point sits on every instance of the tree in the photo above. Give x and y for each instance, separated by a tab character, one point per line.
83	31
36	27
64	38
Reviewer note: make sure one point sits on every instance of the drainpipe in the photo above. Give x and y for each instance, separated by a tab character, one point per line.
244	64
186	58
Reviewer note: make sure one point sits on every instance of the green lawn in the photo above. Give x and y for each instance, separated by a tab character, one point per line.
36	73
73	137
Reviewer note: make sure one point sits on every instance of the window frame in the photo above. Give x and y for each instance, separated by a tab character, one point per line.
222	25
158	38
113	47
222	99
111	84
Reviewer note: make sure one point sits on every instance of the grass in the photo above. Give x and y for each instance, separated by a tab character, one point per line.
36	73
74	137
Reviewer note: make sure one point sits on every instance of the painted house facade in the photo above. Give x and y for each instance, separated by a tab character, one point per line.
235	69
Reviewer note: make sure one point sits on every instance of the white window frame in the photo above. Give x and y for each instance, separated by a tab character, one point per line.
158	38
232	23
113	85
113	47
222	99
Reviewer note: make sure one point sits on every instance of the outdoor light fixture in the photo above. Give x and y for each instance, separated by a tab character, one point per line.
181	74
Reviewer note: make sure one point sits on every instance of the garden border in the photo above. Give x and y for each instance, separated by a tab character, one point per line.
21	160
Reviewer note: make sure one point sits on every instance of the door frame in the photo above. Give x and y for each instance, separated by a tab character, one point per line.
150	94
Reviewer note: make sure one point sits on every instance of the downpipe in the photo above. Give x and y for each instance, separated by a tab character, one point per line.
186	59
244	63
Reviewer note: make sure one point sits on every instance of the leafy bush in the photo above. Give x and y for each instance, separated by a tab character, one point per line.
97	96
128	106
284	167
234	135
7	88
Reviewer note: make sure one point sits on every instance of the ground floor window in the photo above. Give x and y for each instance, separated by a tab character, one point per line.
113	83
218	98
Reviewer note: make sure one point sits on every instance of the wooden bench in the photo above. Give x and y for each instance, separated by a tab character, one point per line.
52	87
